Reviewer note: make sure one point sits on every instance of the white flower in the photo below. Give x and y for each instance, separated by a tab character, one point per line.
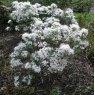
66	48
16	80
74	27
53	6
25	28
14	54
8	28
17	28
84	32
9	21
33	36
65	28
15	62
51	20
37	5
45	62
23	10
56	65
38	23
14	3
69	11
20	47
44	52
36	68
24	54
28	65
58	12
83	44
42	44
26	36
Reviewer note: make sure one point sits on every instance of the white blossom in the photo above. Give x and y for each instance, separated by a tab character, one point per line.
9	21
16	80
20	47
66	48
8	28
14	54
24	54
27	65
44	52
26	36
74	27
57	66
36	68
53	6
45	63
83	44
17	28
15	62
84	32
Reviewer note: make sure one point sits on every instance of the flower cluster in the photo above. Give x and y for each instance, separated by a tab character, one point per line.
49	44
24	13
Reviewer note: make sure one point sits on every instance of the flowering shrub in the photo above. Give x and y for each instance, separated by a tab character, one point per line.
24	14
49	43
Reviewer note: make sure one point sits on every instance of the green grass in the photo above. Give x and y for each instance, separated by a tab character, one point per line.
7	2
84	19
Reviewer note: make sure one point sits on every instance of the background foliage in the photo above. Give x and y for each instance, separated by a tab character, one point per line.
77	5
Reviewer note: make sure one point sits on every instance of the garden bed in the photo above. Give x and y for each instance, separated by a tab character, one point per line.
77	76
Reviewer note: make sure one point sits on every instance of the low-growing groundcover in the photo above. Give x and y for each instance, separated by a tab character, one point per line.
50	79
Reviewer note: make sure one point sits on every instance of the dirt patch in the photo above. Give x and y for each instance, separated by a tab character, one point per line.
8	40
